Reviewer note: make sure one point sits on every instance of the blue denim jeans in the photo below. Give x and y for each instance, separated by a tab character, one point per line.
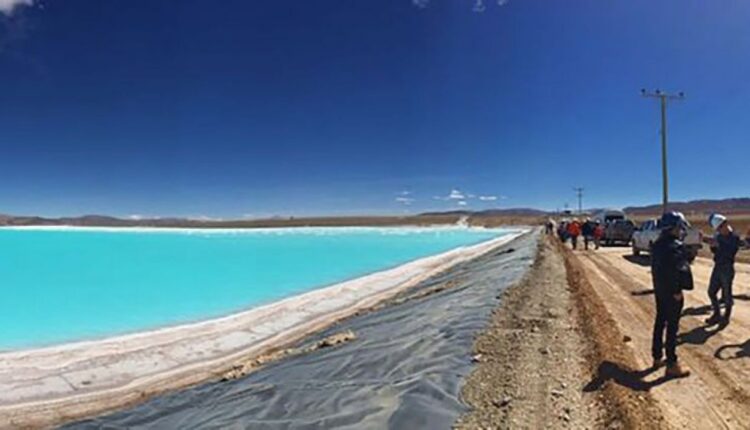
722	278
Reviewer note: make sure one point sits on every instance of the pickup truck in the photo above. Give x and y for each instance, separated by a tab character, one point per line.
619	231
649	231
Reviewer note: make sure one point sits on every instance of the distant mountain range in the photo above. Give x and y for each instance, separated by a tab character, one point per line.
695	207
87	220
108	221
515	212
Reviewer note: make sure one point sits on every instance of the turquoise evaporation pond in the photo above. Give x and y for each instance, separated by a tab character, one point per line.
62	285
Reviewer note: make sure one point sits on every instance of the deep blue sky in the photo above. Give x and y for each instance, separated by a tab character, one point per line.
240	107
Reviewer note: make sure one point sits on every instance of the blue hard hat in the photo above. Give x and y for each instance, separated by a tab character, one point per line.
672	219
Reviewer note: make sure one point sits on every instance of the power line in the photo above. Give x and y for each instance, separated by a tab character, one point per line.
579	194
663	99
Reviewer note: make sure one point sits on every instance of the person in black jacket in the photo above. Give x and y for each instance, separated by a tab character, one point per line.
671	274
725	245
587	230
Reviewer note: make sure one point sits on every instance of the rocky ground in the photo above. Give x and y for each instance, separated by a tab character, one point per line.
532	359
570	348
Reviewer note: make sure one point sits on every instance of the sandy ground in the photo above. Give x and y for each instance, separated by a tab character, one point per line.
716	395
58	384
532	360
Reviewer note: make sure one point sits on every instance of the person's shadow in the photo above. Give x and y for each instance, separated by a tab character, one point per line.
706	309
632	379
699	335
641	260
697	311
742	350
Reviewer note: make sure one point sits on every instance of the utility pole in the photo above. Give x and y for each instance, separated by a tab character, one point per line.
579	193
663	99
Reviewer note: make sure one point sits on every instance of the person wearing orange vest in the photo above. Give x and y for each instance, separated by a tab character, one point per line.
574	230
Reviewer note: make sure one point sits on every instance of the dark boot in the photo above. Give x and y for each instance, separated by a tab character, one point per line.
714	319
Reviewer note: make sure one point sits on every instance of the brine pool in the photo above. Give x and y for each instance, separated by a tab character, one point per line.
67	284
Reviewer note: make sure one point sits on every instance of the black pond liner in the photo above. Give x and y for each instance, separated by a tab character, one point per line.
404	370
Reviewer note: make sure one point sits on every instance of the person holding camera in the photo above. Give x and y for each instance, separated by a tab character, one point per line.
671	274
724	245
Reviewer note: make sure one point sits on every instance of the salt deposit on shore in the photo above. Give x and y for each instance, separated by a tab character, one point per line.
50	385
400	364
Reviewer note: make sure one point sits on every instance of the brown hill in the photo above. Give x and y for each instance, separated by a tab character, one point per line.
697	207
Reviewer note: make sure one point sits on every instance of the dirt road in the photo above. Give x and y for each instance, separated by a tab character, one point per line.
532	359
717	394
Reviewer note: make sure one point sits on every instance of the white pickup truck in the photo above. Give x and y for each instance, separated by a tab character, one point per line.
649	231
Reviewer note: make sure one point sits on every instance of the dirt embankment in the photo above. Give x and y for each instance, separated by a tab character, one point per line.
556	355
613	370
533	358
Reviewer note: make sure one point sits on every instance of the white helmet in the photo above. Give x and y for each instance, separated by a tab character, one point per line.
716	220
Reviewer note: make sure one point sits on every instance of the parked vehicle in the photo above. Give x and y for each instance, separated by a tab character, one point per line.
619	231
606	216
649	231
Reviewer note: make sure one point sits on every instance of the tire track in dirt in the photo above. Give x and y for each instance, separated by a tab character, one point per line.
714	396
626	401
694	397
694	333
623	307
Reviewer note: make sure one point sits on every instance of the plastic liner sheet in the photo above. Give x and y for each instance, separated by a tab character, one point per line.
404	370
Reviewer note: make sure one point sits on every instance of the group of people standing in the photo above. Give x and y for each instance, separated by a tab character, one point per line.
670	269
589	230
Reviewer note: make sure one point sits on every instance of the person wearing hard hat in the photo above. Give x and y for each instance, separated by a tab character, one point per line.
724	246
671	275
